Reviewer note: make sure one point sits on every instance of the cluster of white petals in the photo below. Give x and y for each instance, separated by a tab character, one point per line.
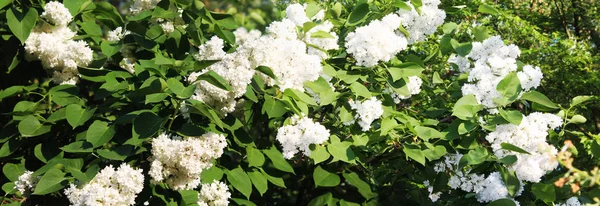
56	13
380	40
486	189
494	189
214	194
282	49
414	87
432	196
367	111
117	34
109	187
139	6
492	61
299	135
530	136
54	45
26	183
179	162
573	201
418	25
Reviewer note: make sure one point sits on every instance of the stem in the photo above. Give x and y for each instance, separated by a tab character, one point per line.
174	116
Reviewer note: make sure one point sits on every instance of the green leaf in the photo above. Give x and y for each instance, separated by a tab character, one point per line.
321	200
544	192
273	107
31	127
298	95
581	99
435	153
278	161
99	133
154	98
325	178
188	197
266	71
466	107
415	153
52	181
77	116
481	33
462	49
215	79
13	171
387	124
9	147
10	91
342	151
109	49
577	119
512	116
509	159
513	185
427	133
78	147
319	154
363	188
255	157
259	181
21	24
211	174
474	157
146	124
510	86
539	98
401	4
360	90
178	89
449	27
74	5
405	70
358	14
487	9
511	147
502	202
321	34
240	181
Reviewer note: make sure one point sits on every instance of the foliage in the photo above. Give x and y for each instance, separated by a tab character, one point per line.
146	84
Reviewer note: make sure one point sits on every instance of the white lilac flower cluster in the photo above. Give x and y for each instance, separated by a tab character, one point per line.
414	87
117	34
492	61
381	40
109	187
282	49
432	196
26	183
418	25
367	111
140	6
214	194
573	201
299	135
54	45
530	136
486	189
377	41
178	162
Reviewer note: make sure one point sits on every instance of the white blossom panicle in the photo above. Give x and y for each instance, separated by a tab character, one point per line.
26	183
55	48
242	35
377	41
492	61
299	135
530	136
318	45
573	201
284	29
167	26
296	13
179	161
211	50
139	6
214	194
109	187
419	26
117	34
432	196
414	87
494	188
367	111
56	13
127	65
